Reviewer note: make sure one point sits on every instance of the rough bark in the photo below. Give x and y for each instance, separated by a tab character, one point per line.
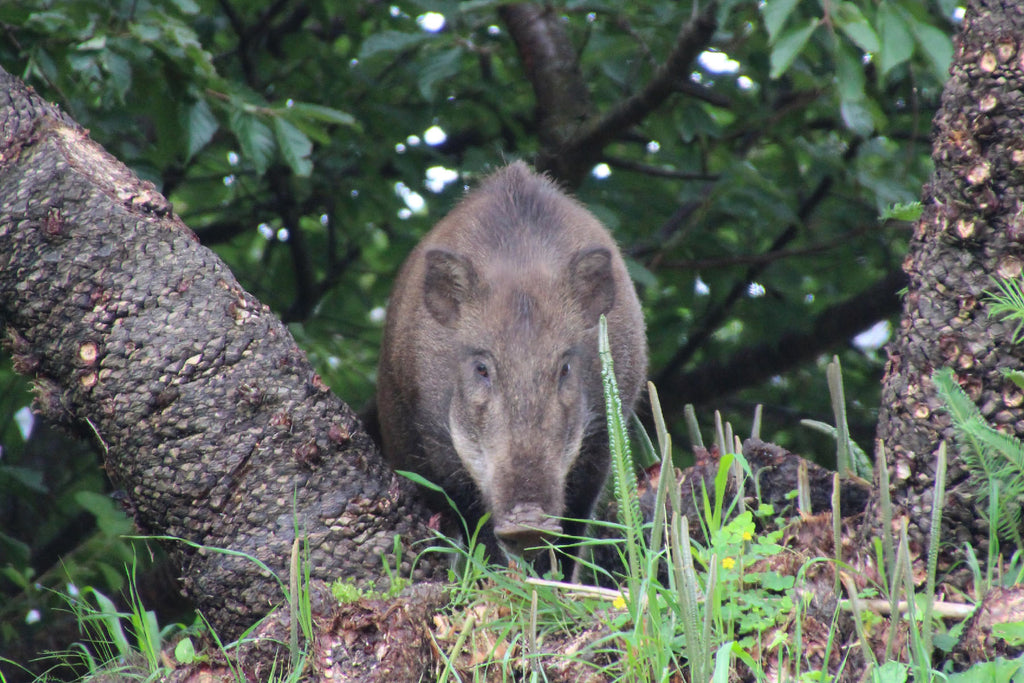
206	412
970	232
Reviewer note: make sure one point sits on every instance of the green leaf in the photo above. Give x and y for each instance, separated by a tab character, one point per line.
897	42
110	519
890	672
24	477
849	74
1007	446
860	458
1007	303
723	657
48	22
695	122
120	70
110	618
467	6
774	581
16	558
186	6
95	43
627	495
439	68
936	44
998	670
857	117
314	130
1012	632
13	14
295	147
789	46
321	113
185	651
995	459
851	21
947	8
639	274
255	138
775	13
960	407
200	125
391	41
1015	376
909	211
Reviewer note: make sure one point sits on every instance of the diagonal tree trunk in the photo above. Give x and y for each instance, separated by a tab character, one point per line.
207	413
971	232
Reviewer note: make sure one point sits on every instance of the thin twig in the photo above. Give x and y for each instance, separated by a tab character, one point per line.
767	257
577	589
952	610
693	37
657	171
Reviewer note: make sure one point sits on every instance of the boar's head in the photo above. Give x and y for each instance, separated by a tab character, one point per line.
524	379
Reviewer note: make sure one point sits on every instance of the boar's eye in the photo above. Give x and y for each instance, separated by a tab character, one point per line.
564	371
481	370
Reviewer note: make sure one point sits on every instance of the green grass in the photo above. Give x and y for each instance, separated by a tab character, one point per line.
726	604
125	644
726	599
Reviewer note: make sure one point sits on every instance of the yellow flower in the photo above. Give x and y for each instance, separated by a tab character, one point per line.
728	563
747	536
619	602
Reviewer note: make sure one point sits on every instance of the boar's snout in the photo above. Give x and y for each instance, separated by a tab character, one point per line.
524	529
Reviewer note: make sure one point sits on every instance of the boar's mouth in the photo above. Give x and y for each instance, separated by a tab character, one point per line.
524	530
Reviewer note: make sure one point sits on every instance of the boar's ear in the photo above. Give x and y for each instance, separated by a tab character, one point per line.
450	281
591	282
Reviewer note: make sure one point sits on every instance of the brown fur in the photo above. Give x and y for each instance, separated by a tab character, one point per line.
489	381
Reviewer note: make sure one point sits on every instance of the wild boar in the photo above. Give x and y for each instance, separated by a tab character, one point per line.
489	382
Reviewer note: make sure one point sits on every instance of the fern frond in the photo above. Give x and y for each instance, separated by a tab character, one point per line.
1009	448
995	458
962	411
1015	376
958	403
1008	303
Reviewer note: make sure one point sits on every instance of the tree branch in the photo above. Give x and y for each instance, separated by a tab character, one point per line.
235	19
657	171
716	314
767	257
756	363
572	139
692	39
553	68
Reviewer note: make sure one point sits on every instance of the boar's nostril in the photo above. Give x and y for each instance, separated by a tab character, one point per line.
525	529
523	541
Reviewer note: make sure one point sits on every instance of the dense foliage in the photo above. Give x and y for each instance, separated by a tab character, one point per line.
312	142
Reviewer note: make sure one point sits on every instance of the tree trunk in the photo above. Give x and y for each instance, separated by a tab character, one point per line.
206	412
971	232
